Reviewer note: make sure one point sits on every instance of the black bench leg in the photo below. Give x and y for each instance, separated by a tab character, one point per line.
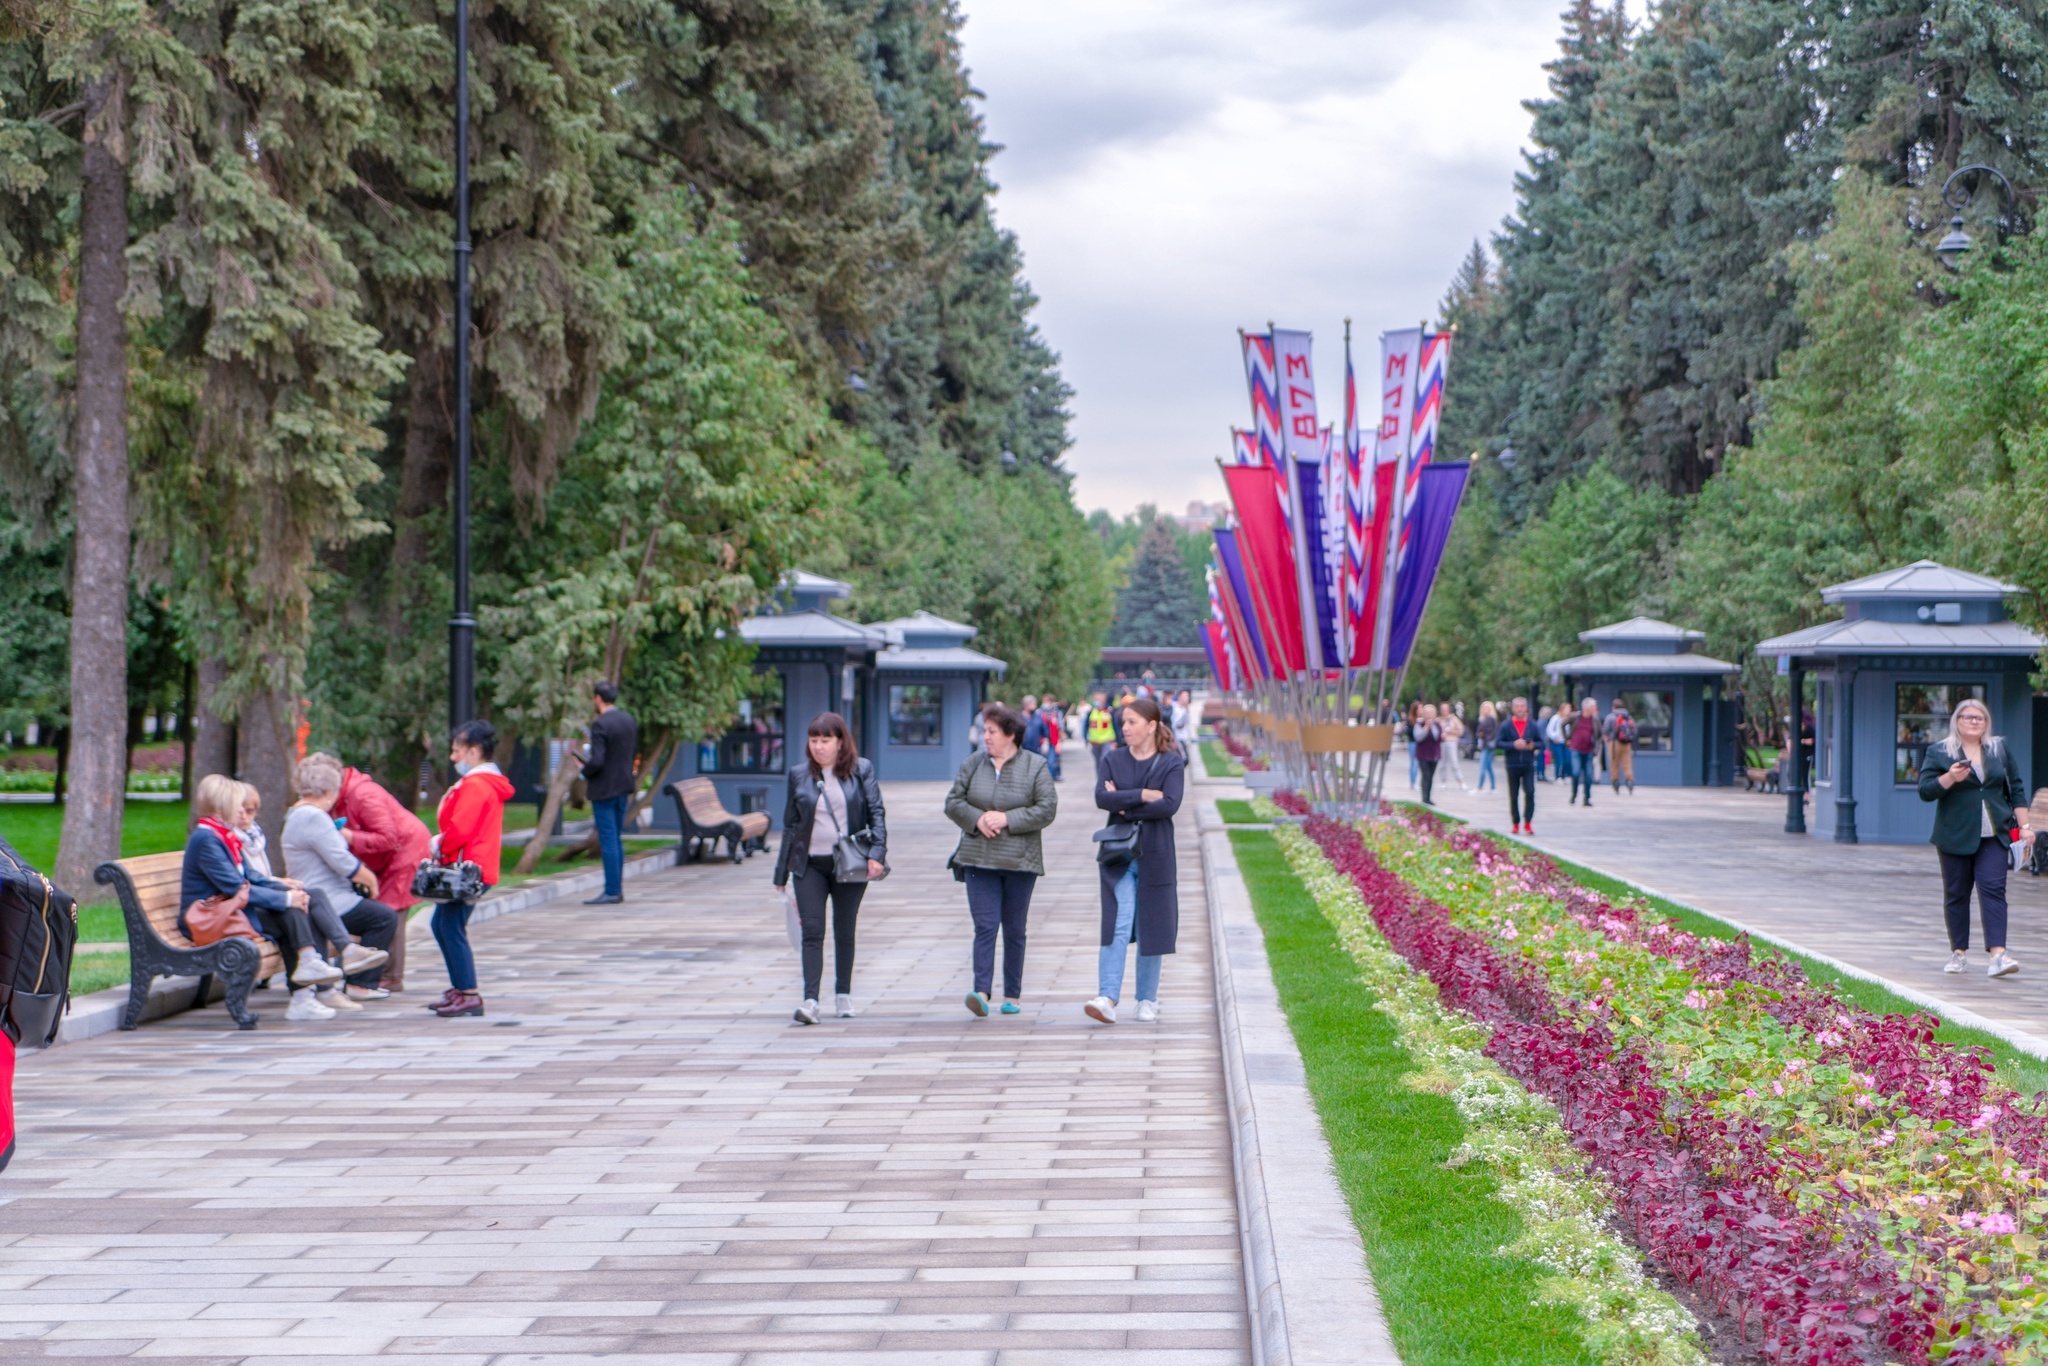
205	990
139	978
237	975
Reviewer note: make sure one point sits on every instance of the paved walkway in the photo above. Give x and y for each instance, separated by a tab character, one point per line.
1875	906
636	1154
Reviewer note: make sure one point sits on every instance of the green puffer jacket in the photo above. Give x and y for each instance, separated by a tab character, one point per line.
1023	789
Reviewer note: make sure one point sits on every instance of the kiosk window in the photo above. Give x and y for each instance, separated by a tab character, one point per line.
1652	713
916	714
1923	712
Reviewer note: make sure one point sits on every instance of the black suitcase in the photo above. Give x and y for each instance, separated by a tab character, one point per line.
38	931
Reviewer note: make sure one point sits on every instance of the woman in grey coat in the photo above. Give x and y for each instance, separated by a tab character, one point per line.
1001	798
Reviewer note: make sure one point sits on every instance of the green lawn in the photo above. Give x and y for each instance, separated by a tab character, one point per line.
1237	811
1430	1232
1216	759
146	828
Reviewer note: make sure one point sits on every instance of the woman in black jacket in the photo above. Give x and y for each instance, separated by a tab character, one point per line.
1139	785
833	795
1980	805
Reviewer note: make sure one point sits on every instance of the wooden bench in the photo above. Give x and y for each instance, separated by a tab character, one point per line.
705	822
148	888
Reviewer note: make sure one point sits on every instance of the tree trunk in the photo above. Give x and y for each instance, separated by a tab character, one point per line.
267	758
664	755
99	500
212	737
565	777
423	476
185	704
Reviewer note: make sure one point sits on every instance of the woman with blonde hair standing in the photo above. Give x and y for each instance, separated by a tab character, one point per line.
1140	786
1980	813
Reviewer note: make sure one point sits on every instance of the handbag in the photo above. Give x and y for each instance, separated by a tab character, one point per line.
849	860
214	918
463	881
1116	844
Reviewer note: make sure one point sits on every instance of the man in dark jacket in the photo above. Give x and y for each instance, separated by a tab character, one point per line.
609	782
1520	743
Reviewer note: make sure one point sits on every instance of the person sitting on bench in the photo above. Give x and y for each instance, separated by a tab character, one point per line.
325	864
214	868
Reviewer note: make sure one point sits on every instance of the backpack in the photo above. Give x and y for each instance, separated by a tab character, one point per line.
38	930
1625	729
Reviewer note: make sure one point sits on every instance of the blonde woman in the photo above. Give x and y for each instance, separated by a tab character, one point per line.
216	866
1979	812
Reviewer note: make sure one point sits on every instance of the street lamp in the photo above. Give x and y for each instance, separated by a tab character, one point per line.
461	625
1951	248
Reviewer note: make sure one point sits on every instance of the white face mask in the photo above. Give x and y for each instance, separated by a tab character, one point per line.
462	769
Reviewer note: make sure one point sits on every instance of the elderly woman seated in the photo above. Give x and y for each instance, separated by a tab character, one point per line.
318	855
215	867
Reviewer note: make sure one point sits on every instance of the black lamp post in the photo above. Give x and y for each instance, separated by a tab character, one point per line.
1952	247
461	626
1794	767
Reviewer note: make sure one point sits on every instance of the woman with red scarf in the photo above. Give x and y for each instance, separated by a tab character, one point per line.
215	867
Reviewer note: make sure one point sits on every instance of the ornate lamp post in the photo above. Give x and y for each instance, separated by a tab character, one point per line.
1952	247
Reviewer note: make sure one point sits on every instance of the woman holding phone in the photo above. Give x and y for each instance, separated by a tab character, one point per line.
1980	812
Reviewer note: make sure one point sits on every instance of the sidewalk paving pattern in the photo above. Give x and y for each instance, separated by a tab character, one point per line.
637	1154
1873	906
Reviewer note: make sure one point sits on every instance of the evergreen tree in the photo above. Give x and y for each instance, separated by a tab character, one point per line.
1161	603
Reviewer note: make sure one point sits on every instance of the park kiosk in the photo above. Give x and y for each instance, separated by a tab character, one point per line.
1910	645
1685	729
908	687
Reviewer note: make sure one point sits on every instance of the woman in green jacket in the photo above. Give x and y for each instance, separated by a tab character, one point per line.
1980	807
1001	798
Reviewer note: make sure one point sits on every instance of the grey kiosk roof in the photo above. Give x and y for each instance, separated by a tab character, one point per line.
1639	647
1923	581
921	641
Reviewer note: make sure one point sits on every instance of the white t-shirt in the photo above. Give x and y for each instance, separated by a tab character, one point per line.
830	822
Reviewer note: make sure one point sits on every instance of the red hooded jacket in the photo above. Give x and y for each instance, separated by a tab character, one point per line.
472	819
390	840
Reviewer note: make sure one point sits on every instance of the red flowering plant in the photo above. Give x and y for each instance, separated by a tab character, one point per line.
1836	1179
1239	750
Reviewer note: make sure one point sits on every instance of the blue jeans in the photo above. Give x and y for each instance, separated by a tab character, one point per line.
609	816
1582	774
1486	769
999	899
1109	964
451	932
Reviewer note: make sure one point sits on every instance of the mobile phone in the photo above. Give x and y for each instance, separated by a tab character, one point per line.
340	822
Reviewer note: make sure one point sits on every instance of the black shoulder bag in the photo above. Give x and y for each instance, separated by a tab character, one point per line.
1116	844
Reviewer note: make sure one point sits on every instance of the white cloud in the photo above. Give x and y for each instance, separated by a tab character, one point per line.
1176	171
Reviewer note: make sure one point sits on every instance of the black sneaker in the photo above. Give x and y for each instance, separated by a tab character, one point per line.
604	900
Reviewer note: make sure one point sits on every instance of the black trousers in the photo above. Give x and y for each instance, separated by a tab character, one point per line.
1985	870
813	889
1521	794
289	929
1428	770
999	899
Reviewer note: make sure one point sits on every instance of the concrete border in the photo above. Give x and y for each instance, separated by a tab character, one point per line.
99	1012
1307	1286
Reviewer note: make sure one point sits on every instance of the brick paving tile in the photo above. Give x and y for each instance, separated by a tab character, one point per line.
637	1156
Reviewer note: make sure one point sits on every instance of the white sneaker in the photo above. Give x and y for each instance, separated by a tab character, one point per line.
1957	962
807	1013
313	971
842	1006
336	998
306	1006
1148	1011
1101	1008
355	958
2002	965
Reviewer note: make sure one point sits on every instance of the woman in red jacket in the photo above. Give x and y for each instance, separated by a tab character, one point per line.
472	821
392	843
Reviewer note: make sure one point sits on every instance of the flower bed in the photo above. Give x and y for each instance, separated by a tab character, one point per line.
1239	750
1835	1182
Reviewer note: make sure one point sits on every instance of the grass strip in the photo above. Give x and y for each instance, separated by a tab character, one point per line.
2017	1068
1238	811
1216	759
1432	1233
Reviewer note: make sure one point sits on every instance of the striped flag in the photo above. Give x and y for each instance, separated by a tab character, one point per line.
1263	381
1433	368
1400	355
1244	448
1358	643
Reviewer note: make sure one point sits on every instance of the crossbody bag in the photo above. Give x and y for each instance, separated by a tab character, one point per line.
1116	844
849	859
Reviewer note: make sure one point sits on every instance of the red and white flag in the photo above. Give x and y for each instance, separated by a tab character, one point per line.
1400	358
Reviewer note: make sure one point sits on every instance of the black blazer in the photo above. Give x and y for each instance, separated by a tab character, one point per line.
1958	824
864	818
608	765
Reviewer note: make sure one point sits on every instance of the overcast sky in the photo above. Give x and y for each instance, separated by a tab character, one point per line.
1178	170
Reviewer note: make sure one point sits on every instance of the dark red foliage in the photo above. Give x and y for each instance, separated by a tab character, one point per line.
1697	1191
1290	801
